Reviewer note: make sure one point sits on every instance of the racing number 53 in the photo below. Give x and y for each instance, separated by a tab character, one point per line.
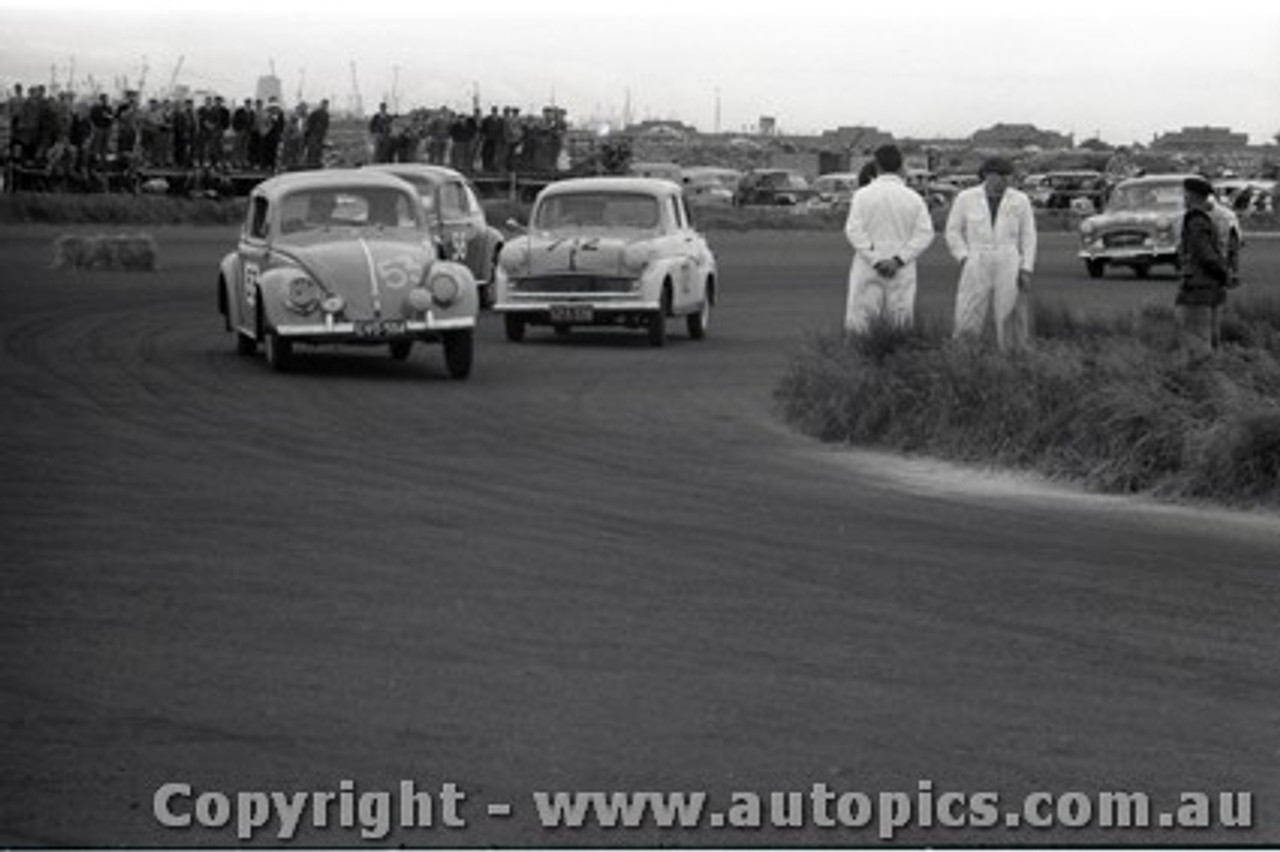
397	272
251	276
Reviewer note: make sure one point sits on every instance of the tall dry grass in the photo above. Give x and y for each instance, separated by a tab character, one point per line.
1114	403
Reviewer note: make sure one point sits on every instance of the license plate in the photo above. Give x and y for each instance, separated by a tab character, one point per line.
572	313
379	328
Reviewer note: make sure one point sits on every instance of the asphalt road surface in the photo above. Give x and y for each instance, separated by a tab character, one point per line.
594	566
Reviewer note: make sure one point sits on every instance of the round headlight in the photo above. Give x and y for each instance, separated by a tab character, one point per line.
444	289
303	294
514	255
1086	227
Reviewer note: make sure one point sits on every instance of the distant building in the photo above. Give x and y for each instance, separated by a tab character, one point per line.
662	128
768	125
860	139
1201	139
269	87
1019	136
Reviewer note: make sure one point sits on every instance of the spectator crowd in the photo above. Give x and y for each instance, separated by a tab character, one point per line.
497	143
78	142
74	140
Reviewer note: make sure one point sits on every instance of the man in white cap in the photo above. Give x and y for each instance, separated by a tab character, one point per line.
888	227
991	232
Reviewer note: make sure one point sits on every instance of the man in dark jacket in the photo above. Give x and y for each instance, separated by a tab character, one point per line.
1205	272
313	136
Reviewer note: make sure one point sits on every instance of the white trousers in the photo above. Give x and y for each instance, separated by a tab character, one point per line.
989	281
872	296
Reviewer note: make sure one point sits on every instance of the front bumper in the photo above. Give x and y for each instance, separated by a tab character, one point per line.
1131	254
333	331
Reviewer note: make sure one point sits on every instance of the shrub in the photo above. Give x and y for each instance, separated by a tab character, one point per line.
1111	403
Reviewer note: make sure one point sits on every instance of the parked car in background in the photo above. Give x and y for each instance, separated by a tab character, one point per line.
1246	196
456	219
1142	226
1082	191
343	256
773	187
710	186
608	251
665	171
833	191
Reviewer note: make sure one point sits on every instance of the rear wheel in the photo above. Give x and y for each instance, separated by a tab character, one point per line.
400	349
515	327
279	351
245	344
1095	267
458	350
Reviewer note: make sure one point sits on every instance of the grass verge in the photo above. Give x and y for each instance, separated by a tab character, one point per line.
1109	403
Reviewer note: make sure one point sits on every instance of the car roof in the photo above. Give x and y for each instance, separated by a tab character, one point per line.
327	178
1152	180
650	186
424	169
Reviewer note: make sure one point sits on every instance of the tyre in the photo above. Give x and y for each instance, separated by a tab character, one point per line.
245	345
279	352
400	349
515	327
1095	267
658	322
700	321
458	349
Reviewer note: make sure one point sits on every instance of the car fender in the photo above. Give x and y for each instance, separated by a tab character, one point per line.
492	245
468	301
659	270
228	283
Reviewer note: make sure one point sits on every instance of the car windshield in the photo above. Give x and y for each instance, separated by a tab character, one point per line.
598	210
1159	196
320	209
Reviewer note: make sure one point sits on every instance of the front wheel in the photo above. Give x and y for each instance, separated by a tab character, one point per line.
1095	267
245	344
515	327
459	347
699	322
279	352
658	320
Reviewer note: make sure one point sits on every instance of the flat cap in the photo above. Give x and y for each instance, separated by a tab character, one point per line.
1198	185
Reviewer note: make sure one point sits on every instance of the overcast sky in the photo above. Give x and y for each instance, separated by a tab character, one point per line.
1120	68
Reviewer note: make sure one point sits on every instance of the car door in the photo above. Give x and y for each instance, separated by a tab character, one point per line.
458	230
253	259
687	291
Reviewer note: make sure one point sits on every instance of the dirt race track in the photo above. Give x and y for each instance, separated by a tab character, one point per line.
592	566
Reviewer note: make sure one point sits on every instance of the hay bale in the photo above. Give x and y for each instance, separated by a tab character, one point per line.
132	252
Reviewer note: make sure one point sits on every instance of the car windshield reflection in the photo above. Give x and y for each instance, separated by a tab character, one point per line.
318	210
1159	197
598	210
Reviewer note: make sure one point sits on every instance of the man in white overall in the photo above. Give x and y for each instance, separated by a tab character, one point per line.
991	232
888	227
